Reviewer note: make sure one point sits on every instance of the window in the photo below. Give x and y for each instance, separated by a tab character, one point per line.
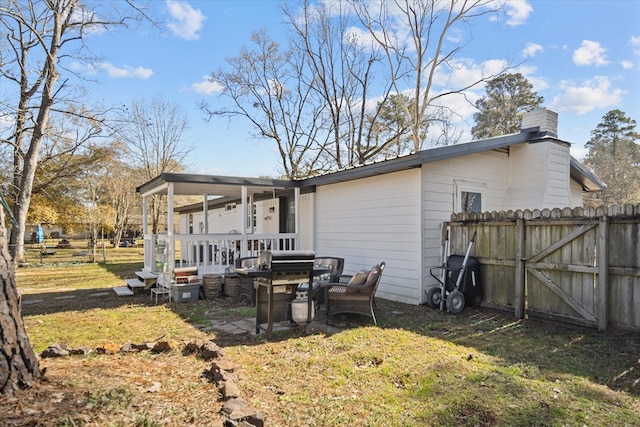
469	196
230	207
470	201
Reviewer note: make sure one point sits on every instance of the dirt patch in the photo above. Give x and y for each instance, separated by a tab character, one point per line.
131	389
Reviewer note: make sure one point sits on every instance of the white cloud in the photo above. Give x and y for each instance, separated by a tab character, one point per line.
360	37
627	65
187	21
587	96
529	71
634	42
590	53
463	72
455	36
518	11
82	14
579	152
207	86
124	72
531	50
7	120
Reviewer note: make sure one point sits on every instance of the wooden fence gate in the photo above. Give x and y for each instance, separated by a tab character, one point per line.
557	264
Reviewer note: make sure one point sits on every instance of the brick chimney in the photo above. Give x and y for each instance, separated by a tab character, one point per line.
546	119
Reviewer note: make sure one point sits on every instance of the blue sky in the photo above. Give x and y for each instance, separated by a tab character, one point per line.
582	56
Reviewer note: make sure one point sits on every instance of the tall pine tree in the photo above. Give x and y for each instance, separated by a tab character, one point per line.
507	98
614	156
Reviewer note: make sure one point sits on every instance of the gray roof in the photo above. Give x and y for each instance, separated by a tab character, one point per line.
226	186
579	173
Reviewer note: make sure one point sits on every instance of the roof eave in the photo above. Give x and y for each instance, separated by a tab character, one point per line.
587	179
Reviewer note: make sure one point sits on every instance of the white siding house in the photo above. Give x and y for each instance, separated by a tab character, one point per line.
393	210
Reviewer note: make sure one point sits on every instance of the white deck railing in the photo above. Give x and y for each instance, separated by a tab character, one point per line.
212	253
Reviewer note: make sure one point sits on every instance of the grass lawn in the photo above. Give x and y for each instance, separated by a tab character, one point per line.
418	367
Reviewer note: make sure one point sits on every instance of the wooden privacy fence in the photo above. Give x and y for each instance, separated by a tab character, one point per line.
579	265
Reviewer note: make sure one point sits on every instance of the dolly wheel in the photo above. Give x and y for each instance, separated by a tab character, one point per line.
455	301
434	295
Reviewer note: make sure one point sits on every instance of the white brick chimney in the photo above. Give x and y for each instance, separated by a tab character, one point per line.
546	119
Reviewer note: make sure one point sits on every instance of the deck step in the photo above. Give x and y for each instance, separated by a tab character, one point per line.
146	277
135	283
123	291
146	274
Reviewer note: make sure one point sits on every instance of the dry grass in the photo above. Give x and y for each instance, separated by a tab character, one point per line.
418	367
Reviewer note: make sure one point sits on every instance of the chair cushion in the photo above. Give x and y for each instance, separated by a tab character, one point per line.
358	279
373	274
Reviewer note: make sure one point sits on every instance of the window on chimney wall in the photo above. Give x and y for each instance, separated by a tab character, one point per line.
469	196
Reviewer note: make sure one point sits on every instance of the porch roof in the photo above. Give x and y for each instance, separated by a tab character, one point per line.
213	185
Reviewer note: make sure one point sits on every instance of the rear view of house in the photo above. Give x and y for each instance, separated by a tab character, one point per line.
388	211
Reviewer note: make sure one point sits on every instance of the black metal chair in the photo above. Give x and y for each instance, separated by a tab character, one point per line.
247	285
336	266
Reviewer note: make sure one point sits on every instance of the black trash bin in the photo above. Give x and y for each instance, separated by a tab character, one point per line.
470	284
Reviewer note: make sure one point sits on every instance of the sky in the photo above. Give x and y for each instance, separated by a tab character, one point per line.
582	56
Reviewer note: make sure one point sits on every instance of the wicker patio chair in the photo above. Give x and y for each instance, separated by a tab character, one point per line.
356	296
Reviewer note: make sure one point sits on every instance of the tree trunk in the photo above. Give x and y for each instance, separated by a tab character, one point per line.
19	367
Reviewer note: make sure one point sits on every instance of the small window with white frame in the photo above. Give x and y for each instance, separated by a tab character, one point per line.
230	207
469	196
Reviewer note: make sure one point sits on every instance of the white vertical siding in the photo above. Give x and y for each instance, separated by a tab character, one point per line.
370	220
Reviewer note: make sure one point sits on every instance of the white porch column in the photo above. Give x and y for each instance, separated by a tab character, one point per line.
205	210
171	243
245	213
145	215
296	192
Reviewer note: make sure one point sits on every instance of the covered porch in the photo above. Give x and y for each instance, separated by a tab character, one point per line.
194	237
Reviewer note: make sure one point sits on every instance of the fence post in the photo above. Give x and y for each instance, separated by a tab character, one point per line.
603	274
519	282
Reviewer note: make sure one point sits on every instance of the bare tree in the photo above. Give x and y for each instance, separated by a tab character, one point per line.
153	132
327	99
318	99
344	72
40	37
120	196
412	35
268	86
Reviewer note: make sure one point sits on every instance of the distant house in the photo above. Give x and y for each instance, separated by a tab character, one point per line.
388	211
